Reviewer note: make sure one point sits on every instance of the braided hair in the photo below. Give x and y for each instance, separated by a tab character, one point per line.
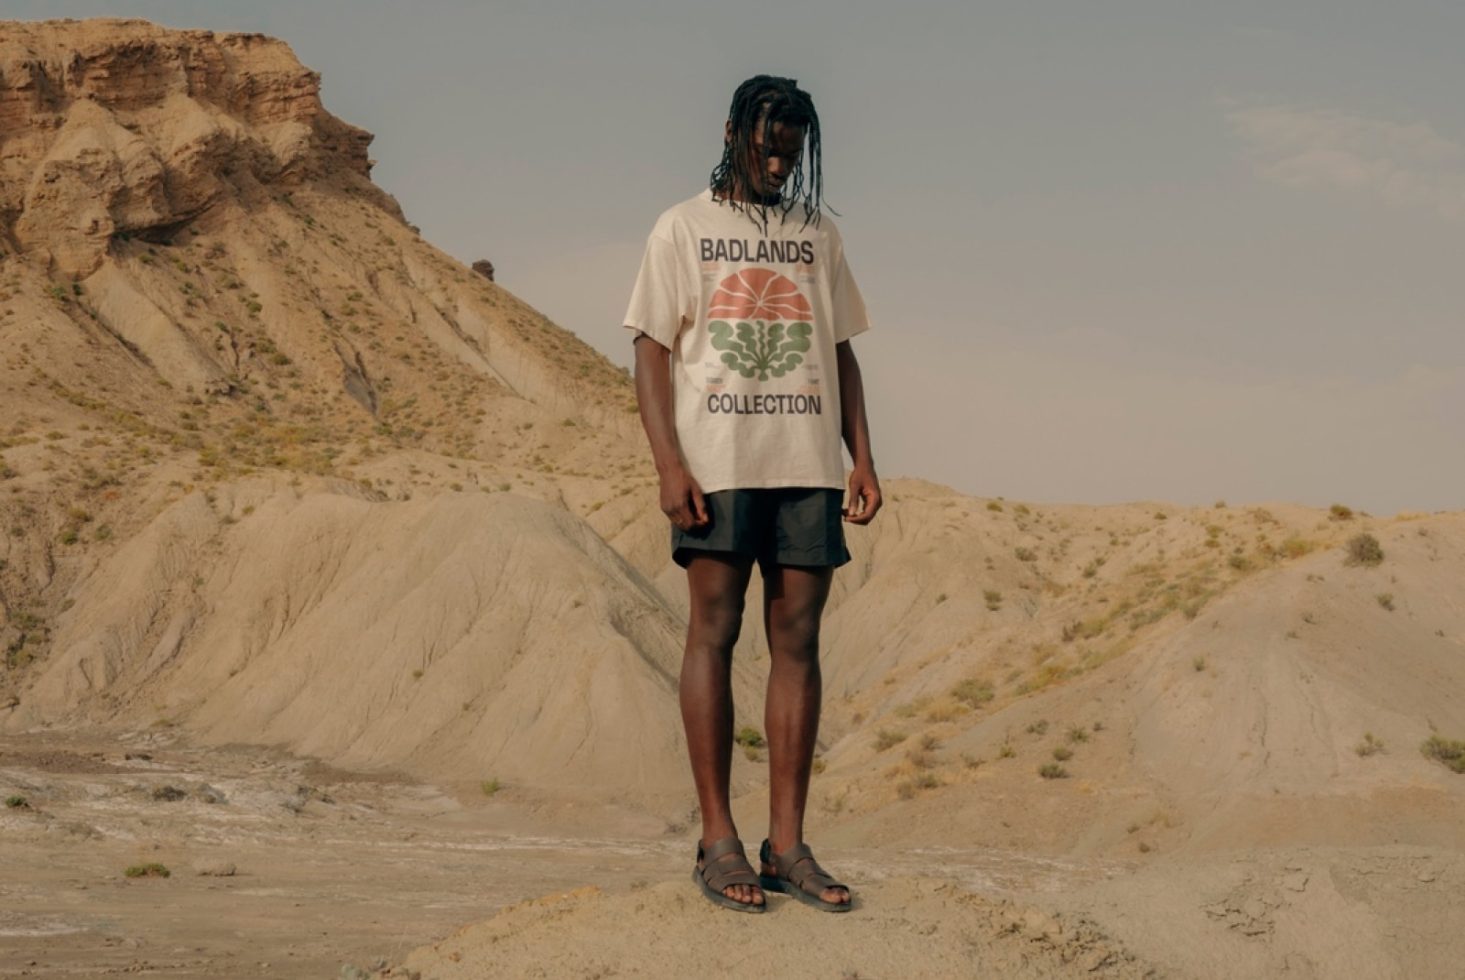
757	104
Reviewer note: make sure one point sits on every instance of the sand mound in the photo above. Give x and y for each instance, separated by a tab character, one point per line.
462	636
901	927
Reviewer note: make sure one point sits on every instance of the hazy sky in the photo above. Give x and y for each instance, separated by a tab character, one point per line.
1112	251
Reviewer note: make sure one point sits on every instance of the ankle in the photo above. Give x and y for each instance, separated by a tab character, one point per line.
713	834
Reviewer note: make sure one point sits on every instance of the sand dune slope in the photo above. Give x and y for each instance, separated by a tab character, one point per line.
463	635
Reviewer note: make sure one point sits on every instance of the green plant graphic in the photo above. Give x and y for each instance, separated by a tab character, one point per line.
761	348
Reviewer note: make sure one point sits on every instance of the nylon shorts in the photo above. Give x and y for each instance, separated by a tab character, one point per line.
781	525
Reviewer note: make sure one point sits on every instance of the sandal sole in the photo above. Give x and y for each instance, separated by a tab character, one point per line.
771	884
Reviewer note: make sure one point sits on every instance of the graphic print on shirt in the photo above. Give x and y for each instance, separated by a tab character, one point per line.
760	321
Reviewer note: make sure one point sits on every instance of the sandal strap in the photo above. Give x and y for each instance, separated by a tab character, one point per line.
798	866
719	848
718	873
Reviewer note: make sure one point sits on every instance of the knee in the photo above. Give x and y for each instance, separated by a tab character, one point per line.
795	638
716	627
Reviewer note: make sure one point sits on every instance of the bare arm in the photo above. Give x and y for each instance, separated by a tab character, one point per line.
864	488
681	497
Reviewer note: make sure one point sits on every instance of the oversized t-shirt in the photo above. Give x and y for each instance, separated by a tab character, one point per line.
751	321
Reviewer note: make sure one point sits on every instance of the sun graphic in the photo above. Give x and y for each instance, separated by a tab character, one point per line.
758	294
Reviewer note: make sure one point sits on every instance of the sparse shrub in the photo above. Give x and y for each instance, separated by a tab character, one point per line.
1386	599
1449	751
920	759
1339	512
1076	733
1024	554
911	708
993	599
1369	745
150	870
930	743
1062	753
1052	770
1363	549
909	788
1006	751
490	786
749	737
972	692
993	505
16	802
1295	547
1038	727
941	598
1199	663
886	738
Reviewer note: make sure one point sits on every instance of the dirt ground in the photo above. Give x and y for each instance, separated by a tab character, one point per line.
297	870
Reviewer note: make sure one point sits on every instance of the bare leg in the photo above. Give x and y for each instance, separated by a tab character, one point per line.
793	602
716	584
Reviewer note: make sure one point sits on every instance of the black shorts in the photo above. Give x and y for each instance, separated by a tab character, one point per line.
782	525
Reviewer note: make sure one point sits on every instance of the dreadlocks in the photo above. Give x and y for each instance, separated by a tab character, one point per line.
758	103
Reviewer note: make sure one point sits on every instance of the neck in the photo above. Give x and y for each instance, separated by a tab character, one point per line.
741	195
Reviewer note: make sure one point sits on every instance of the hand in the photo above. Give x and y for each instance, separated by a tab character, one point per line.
864	495
682	500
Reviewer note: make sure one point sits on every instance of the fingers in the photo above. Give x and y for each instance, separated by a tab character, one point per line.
864	502
699	504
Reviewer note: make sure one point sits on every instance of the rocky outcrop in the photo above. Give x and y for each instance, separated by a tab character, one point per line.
121	128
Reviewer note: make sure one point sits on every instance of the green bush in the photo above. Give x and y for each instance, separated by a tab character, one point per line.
1449	751
1364	549
749	737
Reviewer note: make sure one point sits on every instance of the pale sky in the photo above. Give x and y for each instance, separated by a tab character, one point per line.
1118	251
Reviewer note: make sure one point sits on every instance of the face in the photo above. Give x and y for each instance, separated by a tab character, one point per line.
773	162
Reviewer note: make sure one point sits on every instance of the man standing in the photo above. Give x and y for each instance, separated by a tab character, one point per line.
743	311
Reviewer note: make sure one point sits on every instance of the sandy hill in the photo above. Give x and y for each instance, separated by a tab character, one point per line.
274	469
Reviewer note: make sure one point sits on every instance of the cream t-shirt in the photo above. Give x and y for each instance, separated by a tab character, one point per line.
751	321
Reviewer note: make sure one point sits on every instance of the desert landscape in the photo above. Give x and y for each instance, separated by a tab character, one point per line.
341	637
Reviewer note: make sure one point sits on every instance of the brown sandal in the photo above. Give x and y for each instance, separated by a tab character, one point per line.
799	875
732	868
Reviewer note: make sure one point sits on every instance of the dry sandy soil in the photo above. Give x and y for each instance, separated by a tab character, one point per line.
333	580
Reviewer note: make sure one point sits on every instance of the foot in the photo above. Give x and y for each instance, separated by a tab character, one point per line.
835	895
746	894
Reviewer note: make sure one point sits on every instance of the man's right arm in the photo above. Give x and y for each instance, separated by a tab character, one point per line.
681	497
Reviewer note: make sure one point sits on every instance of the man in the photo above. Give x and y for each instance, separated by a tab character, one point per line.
743	312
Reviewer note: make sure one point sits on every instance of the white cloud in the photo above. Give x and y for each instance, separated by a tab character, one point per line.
1401	163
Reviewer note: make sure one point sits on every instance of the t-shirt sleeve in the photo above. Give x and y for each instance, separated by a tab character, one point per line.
850	318
661	303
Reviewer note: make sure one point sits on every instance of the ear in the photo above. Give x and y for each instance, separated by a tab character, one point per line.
727	132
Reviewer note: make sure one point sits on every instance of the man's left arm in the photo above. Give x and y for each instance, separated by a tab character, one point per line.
864	487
